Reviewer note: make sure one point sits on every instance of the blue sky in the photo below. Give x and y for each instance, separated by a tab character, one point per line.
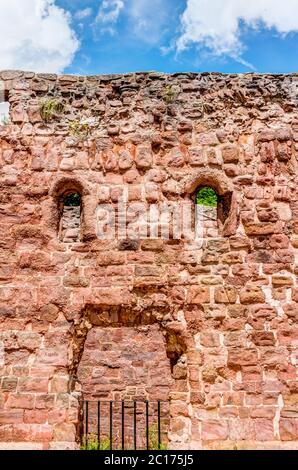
117	36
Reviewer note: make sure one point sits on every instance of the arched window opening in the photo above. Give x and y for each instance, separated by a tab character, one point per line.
70	217
4	108
207	213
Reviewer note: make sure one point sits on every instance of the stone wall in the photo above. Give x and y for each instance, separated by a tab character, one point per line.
225	306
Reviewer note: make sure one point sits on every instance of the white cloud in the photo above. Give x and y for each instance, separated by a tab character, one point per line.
216	24
109	11
149	18
146	20
36	35
83	14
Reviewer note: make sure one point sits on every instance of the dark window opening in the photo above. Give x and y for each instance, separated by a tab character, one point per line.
70	217
4	108
212	211
206	197
72	200
206	223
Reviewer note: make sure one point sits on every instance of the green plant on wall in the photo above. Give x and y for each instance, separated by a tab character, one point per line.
153	439
4	121
207	197
72	200
169	94
79	129
51	108
92	443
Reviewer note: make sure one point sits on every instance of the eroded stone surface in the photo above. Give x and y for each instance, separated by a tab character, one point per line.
227	308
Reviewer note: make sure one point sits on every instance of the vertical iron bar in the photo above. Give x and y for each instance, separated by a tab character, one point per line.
135	424
98	425
123	426
159	432
111	425
147	425
86	423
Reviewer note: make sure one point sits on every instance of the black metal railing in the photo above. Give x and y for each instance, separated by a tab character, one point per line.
125	425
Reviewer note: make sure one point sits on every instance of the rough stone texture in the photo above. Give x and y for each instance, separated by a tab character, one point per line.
227	309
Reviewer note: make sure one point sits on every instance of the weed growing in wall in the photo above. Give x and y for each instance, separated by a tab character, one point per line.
51	108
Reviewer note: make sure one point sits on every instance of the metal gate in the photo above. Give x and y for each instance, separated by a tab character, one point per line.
125	425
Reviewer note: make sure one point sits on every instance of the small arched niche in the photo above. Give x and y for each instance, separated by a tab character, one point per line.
215	204
70	211
206	216
4	107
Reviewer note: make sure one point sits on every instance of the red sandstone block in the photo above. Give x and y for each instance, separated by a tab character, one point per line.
198	295
115	296
225	295
237	310
233	398
263	311
295	294
120	271
75	281
11	416
180	386
197	398
72	415
253	228
210	339
273	386
21	400
29	340
41	432
35	416
284	256
270	398
288	429
33	385
45	401
64	432
215	430
49	312
106	259
6	433
251	373
234	324
9	384
242	357
263	338
291	310
290	399
235	338
149	270
264	429
252	295
59	384
232	258
241	429
279	241
194	358
22	433
179	409
263	412
178	295
143	157
228	412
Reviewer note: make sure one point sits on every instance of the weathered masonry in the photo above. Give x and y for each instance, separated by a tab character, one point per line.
210	327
